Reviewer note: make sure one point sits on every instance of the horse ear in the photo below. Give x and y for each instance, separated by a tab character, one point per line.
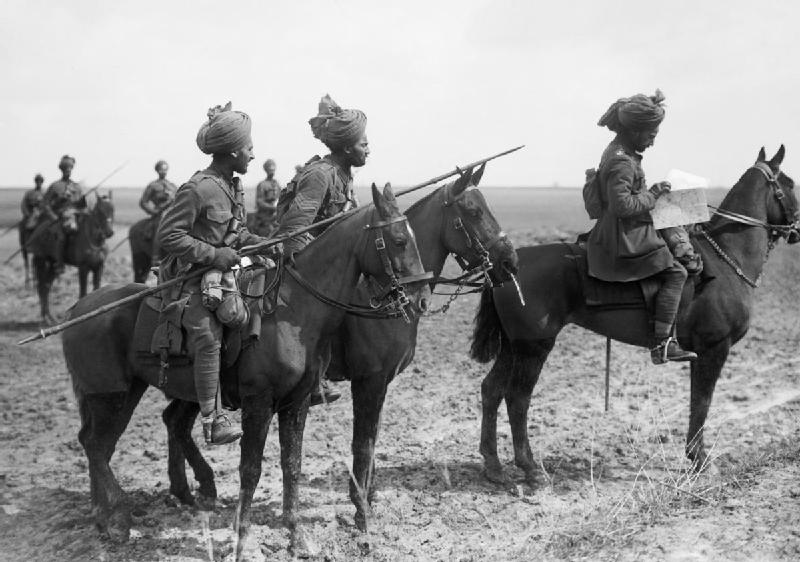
762	155
778	158
462	183
381	204
476	177
388	192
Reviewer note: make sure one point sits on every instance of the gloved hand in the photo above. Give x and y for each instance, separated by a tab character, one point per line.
660	188
225	258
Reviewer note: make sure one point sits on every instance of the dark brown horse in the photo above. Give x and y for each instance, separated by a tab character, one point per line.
140	239
714	314
86	249
24	232
275	374
451	220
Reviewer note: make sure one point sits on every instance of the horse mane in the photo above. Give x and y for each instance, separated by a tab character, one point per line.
424	200
359	211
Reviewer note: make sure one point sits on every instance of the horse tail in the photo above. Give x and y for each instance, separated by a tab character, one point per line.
488	336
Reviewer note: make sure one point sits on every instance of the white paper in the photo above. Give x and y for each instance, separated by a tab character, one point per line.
686	202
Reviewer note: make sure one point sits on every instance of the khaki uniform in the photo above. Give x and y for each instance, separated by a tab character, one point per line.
320	190
208	213
157	196
31	208
60	204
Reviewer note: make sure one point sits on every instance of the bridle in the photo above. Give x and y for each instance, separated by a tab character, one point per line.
776	231
475	271
389	301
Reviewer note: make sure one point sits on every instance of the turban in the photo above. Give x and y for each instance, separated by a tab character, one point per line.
38	177
160	163
225	131
64	159
268	162
637	113
336	127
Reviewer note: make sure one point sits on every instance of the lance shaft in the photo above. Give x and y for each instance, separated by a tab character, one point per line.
245	251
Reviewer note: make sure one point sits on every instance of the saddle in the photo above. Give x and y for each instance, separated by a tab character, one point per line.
159	339
606	295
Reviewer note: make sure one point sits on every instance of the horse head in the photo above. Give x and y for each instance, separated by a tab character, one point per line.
783	210
103	215
471	232
394	262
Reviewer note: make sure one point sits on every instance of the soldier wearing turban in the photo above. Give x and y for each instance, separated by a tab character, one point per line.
205	226
323	187
267	192
60	203
623	245
32	204
156	197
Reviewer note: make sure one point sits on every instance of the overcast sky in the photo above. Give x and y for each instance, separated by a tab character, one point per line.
442	83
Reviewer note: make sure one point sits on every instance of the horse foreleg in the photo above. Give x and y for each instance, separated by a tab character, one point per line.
291	423
97	276
256	415
26	265
43	271
493	389
705	372
179	417
369	393
83	278
530	358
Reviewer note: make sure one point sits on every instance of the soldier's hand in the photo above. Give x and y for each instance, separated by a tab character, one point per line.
660	188
225	258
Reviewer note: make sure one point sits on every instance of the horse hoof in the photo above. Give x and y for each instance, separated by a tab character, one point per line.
119	527
496	476
360	521
184	496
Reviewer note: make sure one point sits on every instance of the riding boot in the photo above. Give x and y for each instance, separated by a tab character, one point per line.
669	349
219	430
323	393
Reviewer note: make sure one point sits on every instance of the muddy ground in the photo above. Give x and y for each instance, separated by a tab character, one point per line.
613	485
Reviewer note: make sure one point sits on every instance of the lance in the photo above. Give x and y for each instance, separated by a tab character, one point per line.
41	227
10	228
244	251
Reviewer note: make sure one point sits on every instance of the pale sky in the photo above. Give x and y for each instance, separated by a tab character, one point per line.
442	83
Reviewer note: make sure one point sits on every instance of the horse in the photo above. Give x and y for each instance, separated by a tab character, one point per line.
274	374
86	249
140	240
714	313
450	220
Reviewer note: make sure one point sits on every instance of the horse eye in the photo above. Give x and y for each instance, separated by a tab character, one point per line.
401	241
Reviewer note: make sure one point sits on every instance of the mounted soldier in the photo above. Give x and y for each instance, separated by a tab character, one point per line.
60	204
31	205
157	196
267	193
204	226
623	245
323	187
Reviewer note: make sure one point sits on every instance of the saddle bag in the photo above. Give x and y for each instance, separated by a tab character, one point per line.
168	334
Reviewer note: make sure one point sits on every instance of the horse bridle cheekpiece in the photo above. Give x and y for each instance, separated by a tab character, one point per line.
395	294
789	214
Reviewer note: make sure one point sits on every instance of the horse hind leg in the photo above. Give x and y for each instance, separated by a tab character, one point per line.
179	417
530	358
104	418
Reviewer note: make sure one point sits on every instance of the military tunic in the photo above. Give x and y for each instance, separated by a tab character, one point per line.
157	196
267	193
61	196
624	245
198	222
320	190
